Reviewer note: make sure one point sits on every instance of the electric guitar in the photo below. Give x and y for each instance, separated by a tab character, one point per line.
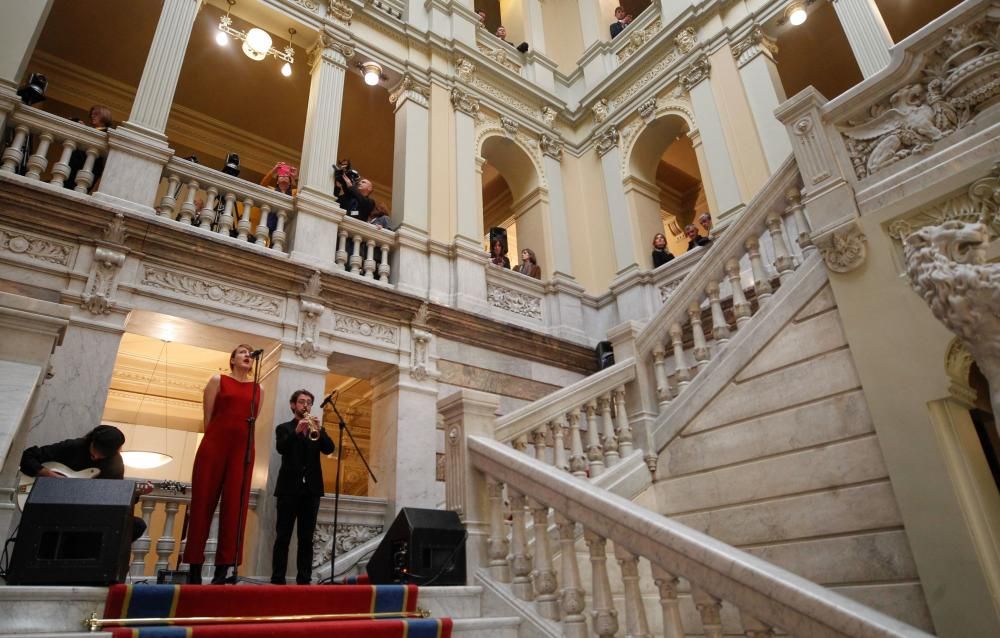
25	483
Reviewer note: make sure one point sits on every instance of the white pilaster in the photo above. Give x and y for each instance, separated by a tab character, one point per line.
411	160
562	259
468	172
534	27
866	32
621	226
727	192
593	25
755	58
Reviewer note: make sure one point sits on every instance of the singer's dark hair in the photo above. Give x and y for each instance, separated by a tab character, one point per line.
232	355
298	393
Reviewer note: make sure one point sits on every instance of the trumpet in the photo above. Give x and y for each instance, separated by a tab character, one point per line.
314	427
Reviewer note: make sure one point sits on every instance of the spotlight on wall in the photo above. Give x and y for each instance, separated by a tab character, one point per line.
796	14
372	72
232	166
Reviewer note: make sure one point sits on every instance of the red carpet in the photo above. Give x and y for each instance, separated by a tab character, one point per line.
187	601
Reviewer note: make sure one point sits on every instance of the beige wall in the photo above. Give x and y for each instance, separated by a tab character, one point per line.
563	38
587	217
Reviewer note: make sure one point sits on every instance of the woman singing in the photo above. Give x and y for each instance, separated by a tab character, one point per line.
219	469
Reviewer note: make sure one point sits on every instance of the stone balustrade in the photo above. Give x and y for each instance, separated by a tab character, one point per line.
45	147
363	249
694	574
228	205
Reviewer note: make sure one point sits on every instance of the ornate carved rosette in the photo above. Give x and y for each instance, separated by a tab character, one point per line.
697	71
844	251
462	101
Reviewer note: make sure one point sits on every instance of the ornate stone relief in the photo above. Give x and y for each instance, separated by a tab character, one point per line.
647	109
409	89
462	101
109	257
697	71
520	303
979	203
36	247
639	38
756	43
626	137
600	110
957	364
607	141
548	115
957	81
499	56
506	98
845	250
210	290
668	289
811	142
685	40
465	69
311	310
349	536
420	346
655	72
508	125
341	10
334	50
551	146
353	326
947	267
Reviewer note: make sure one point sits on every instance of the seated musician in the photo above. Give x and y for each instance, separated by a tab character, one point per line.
100	448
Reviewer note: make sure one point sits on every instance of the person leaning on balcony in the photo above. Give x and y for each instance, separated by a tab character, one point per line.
284	179
380	217
502	34
660	253
694	239
529	264
706	222
100	119
357	201
498	254
622	20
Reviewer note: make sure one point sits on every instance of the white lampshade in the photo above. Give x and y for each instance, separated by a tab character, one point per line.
145	460
796	14
221	39
372	72
257	44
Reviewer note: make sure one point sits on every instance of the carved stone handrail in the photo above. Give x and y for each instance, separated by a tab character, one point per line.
764	594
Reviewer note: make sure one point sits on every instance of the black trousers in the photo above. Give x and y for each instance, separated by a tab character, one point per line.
304	508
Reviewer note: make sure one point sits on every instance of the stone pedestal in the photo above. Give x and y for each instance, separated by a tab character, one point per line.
314	228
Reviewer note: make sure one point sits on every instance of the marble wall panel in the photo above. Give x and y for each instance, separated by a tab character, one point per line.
476	378
798	342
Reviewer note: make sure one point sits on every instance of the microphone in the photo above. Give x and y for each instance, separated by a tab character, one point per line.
256	354
328	399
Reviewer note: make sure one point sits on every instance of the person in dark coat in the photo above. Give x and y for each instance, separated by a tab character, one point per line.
299	488
660	253
694	239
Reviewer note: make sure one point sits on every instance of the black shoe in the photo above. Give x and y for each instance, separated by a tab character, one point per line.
222	575
277	581
194	575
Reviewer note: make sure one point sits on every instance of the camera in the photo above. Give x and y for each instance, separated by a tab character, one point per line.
33	91
343	169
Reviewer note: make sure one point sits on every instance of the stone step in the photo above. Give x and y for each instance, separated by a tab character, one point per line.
482	627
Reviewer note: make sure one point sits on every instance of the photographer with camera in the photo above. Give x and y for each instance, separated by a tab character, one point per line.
353	191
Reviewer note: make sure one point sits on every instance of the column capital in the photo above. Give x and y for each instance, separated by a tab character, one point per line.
551	146
331	47
409	89
607	140
462	101
465	69
695	72
754	44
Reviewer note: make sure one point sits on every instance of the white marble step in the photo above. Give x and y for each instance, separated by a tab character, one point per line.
483	627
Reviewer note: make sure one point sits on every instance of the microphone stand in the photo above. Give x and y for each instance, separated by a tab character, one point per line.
244	491
336	498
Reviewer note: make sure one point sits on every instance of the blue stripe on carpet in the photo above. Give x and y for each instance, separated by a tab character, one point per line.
423	628
161	632
390	598
151	601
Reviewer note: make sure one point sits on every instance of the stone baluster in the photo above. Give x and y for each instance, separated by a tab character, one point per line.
166	543
546	600
85	176
783	261
683	373
61	169
498	546
608	441
603	614
666	584
369	263
720	328
760	282
206	216
797	211
538	439
753	628
168	203
577	459
279	236
243	227
636	625
559	428
701	354
341	256
226	219
623	428
39	160
595	456
355	260
384	268
709	608
571	596
140	548
187	208
741	307
262	231
663	394
520	443
520	559
14	153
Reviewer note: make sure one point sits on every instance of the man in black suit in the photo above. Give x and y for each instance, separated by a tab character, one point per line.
299	488
621	21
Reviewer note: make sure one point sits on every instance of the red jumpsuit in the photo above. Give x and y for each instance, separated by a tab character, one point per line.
218	469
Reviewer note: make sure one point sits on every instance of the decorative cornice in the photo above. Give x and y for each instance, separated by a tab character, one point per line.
551	146
508	125
608	140
205	289
697	71
462	101
365	328
515	301
410	89
756	43
637	39
341	11
36	247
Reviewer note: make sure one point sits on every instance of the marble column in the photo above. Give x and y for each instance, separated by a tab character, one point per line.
138	148
411	184
404	423
754	56
622	236
866	32
317	215
469	275
19	30
695	80
561	253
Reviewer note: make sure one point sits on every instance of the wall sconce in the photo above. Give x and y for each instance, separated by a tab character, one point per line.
256	41
795	13
372	72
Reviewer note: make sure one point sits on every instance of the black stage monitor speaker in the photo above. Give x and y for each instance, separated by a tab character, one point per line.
74	532
422	547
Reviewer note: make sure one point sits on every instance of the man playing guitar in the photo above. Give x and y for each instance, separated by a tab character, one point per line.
100	449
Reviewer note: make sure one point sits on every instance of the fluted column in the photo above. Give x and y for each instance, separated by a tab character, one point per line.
411	184
754	56
866	32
